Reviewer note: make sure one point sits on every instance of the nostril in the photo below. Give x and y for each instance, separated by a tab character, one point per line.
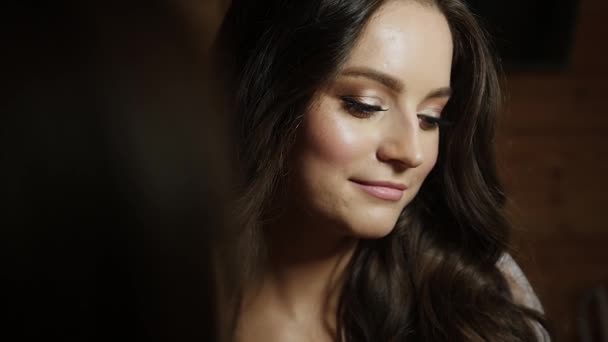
407	156
402	163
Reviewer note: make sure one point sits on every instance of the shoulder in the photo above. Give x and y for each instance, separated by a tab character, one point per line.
521	290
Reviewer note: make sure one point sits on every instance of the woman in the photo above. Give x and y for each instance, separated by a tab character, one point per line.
371	209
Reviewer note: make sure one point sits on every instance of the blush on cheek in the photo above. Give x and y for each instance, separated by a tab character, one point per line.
330	136
433	153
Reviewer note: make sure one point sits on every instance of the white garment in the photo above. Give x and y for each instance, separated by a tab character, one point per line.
522	291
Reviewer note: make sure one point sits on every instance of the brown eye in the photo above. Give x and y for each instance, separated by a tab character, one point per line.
360	109
428	122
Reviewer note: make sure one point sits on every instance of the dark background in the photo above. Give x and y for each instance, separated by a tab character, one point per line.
552	151
553	147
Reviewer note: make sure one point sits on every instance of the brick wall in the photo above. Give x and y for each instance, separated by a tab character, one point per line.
553	149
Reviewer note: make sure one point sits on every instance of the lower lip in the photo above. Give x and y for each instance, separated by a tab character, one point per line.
382	192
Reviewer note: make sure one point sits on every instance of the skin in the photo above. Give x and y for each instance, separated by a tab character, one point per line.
400	66
340	147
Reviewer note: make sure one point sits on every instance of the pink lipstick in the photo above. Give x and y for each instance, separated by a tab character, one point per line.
383	190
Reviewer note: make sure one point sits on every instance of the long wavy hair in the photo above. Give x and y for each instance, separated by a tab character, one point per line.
434	277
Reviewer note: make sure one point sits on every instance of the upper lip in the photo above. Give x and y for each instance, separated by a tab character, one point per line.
386	184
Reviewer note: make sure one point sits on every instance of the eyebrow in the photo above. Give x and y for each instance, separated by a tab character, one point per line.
391	82
438	93
375	75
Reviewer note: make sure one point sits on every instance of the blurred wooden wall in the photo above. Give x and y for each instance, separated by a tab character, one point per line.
553	146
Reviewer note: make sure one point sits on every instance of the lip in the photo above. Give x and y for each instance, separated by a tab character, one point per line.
383	190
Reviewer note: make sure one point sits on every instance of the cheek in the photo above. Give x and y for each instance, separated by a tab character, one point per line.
330	137
431	151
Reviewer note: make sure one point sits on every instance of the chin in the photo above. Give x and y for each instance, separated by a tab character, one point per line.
372	227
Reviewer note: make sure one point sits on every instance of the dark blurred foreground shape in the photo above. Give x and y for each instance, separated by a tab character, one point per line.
114	173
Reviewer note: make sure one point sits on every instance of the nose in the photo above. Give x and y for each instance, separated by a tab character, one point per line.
401	143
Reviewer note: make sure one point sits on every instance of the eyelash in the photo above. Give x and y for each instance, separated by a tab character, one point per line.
360	109
364	110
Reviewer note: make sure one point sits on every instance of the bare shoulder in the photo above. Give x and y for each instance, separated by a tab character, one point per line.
522	291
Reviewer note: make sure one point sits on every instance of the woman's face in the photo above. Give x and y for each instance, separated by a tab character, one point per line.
370	139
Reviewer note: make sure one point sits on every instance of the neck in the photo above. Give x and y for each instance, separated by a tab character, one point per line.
305	272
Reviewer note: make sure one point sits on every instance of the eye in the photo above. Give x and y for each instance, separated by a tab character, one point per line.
360	109
428	122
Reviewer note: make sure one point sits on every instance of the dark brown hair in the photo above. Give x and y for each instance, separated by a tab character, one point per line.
434	277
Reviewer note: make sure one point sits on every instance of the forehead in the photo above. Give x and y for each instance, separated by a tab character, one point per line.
409	41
